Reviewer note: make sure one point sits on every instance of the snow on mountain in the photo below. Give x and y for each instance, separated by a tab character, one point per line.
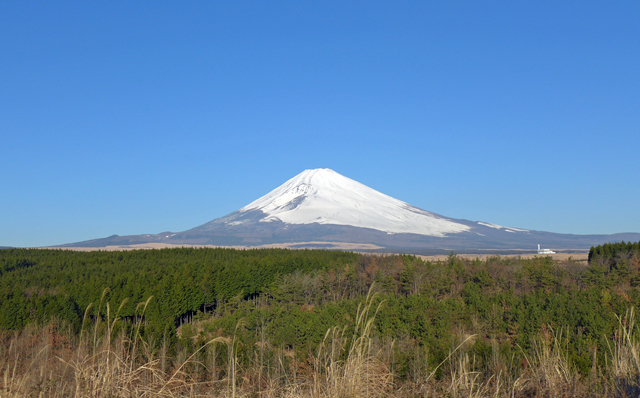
325	197
508	229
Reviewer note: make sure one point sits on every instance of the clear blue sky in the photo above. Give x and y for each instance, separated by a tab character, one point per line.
139	117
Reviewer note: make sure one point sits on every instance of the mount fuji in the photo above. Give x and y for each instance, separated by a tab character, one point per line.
323	196
321	208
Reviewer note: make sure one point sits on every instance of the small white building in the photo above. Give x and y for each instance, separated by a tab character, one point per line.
545	251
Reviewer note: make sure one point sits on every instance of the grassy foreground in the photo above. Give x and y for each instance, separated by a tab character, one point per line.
375	326
52	362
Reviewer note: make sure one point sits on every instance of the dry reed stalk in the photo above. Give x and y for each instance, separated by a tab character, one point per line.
232	356
549	372
361	373
28	365
624	361
98	363
108	364
464	381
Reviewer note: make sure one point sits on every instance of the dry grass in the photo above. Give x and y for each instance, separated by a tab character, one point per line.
104	361
98	363
549	373
624	360
361	373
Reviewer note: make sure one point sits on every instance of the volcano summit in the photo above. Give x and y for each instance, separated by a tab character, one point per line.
323	196
321	208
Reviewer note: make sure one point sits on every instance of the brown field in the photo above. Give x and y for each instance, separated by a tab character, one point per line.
560	255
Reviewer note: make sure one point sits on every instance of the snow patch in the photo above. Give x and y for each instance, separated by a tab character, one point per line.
507	229
486	224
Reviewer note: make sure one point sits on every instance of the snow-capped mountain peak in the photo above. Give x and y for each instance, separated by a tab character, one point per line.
323	209
325	197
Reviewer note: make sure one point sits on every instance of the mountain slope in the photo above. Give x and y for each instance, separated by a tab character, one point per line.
321	205
325	197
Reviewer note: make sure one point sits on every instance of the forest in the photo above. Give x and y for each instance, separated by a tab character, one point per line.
614	254
276	322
